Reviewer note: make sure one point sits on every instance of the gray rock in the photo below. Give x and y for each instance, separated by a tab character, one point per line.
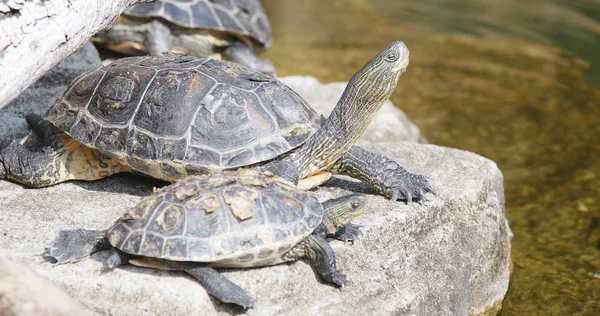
390	124
22	292
449	256
42	94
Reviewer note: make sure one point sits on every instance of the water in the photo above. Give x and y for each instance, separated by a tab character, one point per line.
515	81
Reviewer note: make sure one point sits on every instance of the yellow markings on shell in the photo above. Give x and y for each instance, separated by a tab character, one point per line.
249	177
241	200
140	210
169	218
186	191
209	203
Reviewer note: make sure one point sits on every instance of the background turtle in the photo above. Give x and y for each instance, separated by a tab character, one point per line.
235	29
230	219
174	116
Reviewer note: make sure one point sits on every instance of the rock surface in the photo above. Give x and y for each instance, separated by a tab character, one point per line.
390	124
22	292
449	256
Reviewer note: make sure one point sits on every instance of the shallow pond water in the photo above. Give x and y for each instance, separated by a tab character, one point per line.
515	81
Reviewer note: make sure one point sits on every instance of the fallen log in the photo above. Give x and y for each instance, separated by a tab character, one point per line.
36	35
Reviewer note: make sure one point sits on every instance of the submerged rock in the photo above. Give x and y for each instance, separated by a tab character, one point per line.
449	256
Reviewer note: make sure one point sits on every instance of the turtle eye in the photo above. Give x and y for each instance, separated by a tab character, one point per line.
355	204
391	57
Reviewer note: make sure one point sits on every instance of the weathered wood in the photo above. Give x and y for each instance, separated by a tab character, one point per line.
22	292
36	35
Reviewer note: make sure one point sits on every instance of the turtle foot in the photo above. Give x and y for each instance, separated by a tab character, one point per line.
74	245
407	186
348	233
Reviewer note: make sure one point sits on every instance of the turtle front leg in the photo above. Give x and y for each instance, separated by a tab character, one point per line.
74	245
240	53
386	176
217	285
348	233
60	160
322	256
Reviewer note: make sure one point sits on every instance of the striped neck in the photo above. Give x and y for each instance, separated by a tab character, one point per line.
365	93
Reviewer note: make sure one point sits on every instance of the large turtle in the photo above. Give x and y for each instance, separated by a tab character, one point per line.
175	116
234	29
230	219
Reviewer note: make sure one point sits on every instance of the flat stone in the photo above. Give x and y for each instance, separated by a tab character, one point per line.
449	256
390	124
22	292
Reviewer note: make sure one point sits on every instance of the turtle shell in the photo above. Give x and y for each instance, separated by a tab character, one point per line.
242	17
231	219
170	116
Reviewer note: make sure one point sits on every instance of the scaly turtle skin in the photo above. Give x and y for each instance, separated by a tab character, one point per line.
230	219
234	29
175	116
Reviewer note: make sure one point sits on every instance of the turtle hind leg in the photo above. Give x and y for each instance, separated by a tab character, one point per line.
62	159
34	169
75	245
217	285
117	258
240	53
322	256
42	128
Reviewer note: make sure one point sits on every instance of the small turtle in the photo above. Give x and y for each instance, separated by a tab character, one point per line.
230	219
236	30
170	117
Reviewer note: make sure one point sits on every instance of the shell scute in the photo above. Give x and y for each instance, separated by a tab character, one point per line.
65	112
133	243
112	139
281	209
201	224
201	15
119	93
242	201
232	112
168	220
245	18
175	248
85	130
169	104
141	145
152	245
207	202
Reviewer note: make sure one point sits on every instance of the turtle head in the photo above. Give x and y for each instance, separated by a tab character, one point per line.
342	210
365	93
374	83
379	77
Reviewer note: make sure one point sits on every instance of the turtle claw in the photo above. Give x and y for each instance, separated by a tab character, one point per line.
348	233
407	186
339	279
